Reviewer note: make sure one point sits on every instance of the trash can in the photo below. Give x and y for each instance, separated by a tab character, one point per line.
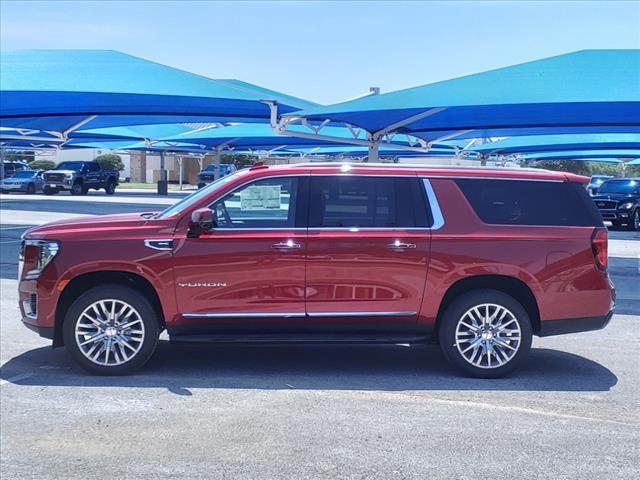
163	187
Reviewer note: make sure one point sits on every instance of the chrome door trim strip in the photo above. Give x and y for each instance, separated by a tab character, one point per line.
361	314
370	229
298	315
246	315
434	206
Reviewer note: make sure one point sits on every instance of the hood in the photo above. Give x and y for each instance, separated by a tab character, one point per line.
124	221
66	172
618	197
17	180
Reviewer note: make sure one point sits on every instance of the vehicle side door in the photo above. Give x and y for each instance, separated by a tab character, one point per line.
248	271
367	250
92	174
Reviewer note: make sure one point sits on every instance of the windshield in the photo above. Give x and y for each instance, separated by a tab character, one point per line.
620	186
75	166
23	174
197	196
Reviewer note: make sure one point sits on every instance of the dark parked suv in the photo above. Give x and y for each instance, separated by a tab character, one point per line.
619	202
478	259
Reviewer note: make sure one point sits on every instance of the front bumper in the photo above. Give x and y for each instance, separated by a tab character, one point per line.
616	215
14	188
59	185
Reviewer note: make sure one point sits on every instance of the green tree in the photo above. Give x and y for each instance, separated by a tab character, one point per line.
240	161
571	166
599	168
19	156
110	161
42	164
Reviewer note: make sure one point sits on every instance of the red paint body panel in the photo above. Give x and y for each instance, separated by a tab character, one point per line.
333	271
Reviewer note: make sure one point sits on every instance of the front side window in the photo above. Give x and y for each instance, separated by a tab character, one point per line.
365	202
266	203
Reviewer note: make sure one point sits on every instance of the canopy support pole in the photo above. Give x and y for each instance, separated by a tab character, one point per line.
1	163
181	173
162	182
217	155
374	148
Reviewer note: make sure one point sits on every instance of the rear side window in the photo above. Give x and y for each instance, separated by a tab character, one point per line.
366	202
516	202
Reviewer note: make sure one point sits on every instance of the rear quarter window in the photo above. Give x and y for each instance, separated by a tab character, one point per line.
517	202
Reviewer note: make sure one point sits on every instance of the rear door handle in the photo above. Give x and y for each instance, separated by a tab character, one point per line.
287	245
398	245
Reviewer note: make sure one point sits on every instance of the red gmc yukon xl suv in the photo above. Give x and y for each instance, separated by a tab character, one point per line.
478	259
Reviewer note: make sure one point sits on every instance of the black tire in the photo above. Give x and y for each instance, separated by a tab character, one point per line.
144	311
452	350
634	222
78	189
49	191
110	189
31	189
201	185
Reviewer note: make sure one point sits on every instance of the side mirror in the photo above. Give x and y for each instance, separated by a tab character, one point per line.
201	221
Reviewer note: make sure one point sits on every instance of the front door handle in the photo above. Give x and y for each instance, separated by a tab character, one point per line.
400	246
287	245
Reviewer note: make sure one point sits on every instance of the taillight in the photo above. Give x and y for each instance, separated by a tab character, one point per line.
599	248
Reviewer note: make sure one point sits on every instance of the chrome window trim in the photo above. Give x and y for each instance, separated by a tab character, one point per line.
479	177
149	243
434	206
369	229
259	229
298	315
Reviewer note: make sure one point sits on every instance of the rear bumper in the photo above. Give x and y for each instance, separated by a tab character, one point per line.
549	328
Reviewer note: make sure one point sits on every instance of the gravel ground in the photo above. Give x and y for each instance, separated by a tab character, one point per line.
384	412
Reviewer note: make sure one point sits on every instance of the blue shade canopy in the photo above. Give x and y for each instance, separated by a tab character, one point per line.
58	89
551	143
634	162
263	136
583	154
585	88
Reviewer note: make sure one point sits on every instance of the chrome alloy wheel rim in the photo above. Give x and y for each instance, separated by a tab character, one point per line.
109	332
488	336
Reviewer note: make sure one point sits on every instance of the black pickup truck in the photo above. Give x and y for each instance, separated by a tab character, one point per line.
78	178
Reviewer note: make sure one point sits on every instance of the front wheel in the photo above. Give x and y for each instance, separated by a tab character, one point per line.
49	191
634	223
110	189
31	189
485	333
78	189
111	330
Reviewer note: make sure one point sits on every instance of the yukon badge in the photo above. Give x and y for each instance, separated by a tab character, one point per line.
202	284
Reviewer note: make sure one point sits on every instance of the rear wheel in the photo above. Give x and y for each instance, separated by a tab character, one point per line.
485	333
49	190
110	189
111	330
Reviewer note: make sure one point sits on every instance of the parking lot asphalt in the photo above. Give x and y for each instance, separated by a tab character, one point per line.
572	411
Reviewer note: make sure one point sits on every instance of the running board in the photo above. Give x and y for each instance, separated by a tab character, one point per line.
345	338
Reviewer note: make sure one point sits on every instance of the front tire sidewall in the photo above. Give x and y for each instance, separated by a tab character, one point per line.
455	311
110	189
125	294
77	189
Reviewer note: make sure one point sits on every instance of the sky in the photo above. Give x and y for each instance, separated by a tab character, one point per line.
325	51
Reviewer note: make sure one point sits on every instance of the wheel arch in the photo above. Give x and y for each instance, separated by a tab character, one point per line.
86	281
503	283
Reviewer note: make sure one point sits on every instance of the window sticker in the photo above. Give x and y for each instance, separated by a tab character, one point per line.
260	197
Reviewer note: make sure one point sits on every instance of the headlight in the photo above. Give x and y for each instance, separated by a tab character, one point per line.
43	253
626	206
